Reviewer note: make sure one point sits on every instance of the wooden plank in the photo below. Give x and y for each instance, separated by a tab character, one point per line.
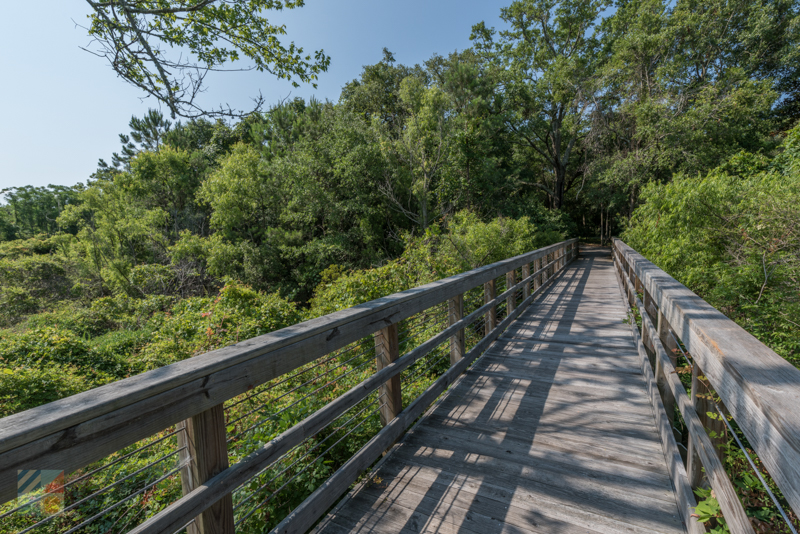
468	503
589	496
526	272
455	312
305	515
489	293
65	413
206	444
387	351
92	440
726	494
514	465
511	300
759	388
175	515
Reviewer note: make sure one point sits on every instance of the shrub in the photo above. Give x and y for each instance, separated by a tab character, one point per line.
733	236
22	388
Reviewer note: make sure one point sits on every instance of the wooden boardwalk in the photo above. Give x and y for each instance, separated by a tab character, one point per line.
551	430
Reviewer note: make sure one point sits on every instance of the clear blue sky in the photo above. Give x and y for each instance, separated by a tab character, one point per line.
63	108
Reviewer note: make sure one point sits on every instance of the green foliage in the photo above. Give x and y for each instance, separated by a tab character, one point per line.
460	244
733	236
22	388
29	211
135	36
203	234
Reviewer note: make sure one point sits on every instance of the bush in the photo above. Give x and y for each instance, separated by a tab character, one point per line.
460	244
22	388
200	324
733	237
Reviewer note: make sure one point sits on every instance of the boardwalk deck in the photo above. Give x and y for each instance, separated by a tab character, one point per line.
550	431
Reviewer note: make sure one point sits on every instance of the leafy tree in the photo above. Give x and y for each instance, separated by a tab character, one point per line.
33	210
134	35
733	236
546	62
147	133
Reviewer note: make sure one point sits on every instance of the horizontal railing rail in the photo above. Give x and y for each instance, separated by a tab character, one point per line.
188	398
756	387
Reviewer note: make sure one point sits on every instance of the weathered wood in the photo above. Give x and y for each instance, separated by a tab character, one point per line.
177	514
511	300
760	389
693	466
497	447
305	515
490	320
205	440
726	494
675	465
73	432
526	273
387	350
455	312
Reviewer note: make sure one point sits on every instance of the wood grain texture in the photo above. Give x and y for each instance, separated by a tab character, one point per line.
760	389
73	432
455	312
729	502
387	351
529	441
179	512
205	440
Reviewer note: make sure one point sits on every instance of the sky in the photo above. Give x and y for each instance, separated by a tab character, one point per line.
63	108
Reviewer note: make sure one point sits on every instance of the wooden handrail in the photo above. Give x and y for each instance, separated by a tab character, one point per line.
71	433
315	505
760	389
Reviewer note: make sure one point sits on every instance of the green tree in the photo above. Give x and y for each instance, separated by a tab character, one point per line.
546	63
135	37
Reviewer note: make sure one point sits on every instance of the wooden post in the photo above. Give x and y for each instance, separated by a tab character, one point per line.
205	442
667	339
511	300
526	272
537	280
455	312
387	350
490	319
694	468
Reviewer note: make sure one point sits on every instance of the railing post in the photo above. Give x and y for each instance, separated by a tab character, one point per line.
537	280
526	272
387	350
694	469
511	300
490	319
205	445
661	378
455	312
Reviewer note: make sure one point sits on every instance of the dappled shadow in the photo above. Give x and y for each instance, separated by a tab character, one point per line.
550	431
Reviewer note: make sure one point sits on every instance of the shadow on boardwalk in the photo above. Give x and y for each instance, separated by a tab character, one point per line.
550	431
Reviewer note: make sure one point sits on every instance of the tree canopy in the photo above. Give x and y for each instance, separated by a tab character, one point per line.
146	43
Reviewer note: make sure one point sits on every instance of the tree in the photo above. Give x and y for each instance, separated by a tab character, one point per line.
134	35
546	64
147	133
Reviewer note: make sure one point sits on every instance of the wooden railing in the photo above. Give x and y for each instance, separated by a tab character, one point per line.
756	387
187	399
